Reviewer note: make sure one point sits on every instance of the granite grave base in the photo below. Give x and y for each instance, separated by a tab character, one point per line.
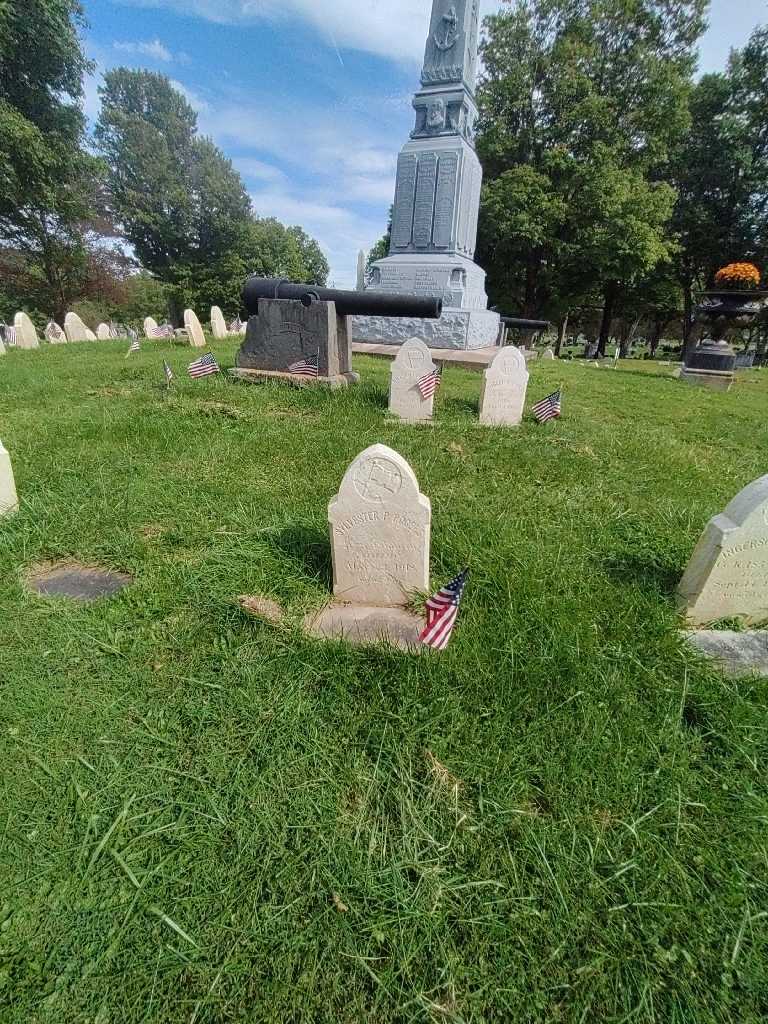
458	329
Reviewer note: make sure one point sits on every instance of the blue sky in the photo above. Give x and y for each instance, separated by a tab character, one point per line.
309	98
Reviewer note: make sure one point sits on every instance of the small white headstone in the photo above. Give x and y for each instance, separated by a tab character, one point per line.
548	353
9	502
505	383
150	325
2	347
102	332
380	531
54	334
412	362
727	576
219	327
26	335
193	328
75	329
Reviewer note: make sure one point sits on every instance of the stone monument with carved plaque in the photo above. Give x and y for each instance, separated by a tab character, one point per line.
437	198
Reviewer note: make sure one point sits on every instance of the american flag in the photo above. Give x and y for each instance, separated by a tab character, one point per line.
53	330
305	367
236	325
442	612
549	408
430	382
162	331
9	334
168	373
203	367
135	347
617	355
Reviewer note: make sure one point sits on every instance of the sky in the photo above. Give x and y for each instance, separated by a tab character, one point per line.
310	99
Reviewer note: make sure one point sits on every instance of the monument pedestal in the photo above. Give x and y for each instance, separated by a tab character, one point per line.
458	329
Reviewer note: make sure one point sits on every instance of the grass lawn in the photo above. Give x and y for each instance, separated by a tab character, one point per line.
208	819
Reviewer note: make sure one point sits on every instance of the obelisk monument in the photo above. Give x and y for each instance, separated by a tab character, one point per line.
437	198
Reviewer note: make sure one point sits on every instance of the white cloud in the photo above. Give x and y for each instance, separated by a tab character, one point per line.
198	104
154	50
258	170
388	28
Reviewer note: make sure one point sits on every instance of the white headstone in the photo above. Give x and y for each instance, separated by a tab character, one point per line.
9	502
54	334
505	383
75	329
102	332
412	362
548	353
727	576
193	328
219	327
380	531
150	325
26	335
2	347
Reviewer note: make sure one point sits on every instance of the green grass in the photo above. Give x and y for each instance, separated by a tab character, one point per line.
563	818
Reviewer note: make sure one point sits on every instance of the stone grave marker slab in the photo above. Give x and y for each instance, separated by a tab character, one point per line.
150	326
9	501
505	384
54	334
78	582
2	347
548	353
75	329
727	576
380	531
26	334
218	324
102	332
194	329
412	362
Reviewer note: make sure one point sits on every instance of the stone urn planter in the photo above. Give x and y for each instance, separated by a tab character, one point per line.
713	361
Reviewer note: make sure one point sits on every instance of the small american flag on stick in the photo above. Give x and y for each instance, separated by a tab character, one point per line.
168	373
162	331
236	325
305	367
53	331
203	367
549	408
442	612
9	334
135	347
430	382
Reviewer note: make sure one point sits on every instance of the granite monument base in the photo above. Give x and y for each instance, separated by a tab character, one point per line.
458	280
341	380
717	380
461	329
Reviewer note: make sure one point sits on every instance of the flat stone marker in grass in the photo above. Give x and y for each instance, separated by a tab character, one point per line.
380	531
219	327
9	501
194	329
727	576
26	334
76	330
505	384
412	362
78	582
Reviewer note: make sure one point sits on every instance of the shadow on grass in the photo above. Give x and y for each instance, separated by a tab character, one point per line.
644	569
309	548
461	406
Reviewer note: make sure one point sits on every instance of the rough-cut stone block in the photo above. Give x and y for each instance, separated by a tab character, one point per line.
458	329
363	625
727	576
412	362
505	383
380	531
9	501
26	334
194	329
737	654
219	327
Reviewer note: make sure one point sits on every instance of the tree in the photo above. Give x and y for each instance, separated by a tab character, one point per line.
381	249
47	181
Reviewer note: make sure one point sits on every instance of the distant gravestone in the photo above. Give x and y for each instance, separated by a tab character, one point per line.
103	333
26	335
2	347
9	501
727	576
54	334
413	361
218	324
548	354
150	326
193	329
505	383
380	531
75	329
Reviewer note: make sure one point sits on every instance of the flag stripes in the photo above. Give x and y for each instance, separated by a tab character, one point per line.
203	367
549	408
442	613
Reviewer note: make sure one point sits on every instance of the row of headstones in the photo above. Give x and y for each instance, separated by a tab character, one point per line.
502	399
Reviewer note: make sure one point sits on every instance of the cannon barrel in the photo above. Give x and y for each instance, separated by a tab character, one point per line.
347	303
525	325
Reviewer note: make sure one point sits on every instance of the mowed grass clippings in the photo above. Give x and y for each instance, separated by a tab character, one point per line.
209	818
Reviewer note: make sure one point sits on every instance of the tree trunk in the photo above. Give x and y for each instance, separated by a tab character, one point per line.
658	327
609	304
688	340
562	331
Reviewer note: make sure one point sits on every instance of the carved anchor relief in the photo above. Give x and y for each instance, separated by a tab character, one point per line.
450	31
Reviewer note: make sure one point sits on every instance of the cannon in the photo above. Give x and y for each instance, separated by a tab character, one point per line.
525	325
347	303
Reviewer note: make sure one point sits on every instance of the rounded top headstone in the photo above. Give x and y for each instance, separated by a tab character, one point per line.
509	362
74	328
26	334
413	355
750	507
194	329
379	475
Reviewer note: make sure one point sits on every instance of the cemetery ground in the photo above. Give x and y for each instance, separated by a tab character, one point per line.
208	818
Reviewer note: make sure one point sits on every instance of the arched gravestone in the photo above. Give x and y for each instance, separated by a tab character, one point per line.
412	362
2	347
548	353
727	576
75	329
193	328
505	383
219	327
103	332
150	326
26	335
380	531
54	334
9	502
